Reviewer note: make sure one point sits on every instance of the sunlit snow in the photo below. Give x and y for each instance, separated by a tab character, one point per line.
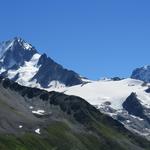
27	71
116	92
37	131
39	112
20	126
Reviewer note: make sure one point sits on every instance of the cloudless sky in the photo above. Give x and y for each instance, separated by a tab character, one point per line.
96	38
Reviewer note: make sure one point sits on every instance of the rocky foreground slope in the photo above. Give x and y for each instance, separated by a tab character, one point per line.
33	119
126	100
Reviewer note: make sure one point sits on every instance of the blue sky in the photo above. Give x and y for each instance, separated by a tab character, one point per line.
96	38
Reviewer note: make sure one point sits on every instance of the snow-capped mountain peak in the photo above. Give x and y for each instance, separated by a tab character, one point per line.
142	73
21	62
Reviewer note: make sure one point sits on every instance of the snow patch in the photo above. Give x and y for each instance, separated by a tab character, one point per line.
20	126
31	107
2	70
27	46
128	121
39	112
55	84
37	131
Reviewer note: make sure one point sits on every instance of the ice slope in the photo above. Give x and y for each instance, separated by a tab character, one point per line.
115	92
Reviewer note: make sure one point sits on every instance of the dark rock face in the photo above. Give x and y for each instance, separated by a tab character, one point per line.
133	106
55	72
116	78
147	90
142	73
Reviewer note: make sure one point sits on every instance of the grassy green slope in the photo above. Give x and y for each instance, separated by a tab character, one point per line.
61	137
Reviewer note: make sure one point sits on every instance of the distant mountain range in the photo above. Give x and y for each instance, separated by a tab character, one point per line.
28	104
